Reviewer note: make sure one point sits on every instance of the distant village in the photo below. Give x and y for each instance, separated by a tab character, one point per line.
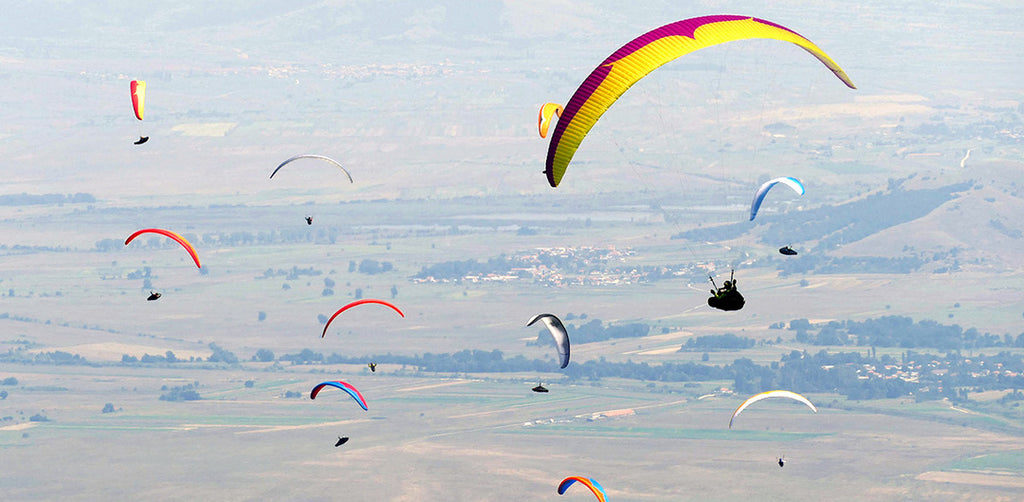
556	266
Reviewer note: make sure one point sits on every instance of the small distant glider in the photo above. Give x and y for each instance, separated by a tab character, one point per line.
788	251
341	441
153	296
142	139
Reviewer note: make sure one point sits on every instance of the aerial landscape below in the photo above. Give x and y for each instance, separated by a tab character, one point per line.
512	250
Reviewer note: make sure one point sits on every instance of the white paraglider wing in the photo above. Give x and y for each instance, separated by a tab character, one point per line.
763	191
558	332
769	394
309	156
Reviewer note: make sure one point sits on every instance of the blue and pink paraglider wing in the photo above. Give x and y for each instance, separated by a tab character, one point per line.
352	391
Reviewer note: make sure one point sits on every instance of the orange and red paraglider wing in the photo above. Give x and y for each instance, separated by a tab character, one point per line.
357	303
167	233
139	97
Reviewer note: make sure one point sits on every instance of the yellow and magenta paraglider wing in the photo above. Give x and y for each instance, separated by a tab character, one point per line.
616	74
139	97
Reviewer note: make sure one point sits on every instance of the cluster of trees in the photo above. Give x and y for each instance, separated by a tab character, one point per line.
24	199
55	357
185	392
219	355
727	341
263	356
168	357
899	331
845	373
292	275
370	267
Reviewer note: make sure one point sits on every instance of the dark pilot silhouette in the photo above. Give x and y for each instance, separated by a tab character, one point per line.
726	297
153	296
373	367
788	251
539	388
309	220
782	461
341	441
142	139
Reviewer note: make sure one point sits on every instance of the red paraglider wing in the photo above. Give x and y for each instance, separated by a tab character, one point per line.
354	304
167	233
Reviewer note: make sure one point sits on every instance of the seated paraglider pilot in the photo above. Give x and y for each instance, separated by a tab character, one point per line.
782	461
309	220
373	367
153	296
341	441
726	297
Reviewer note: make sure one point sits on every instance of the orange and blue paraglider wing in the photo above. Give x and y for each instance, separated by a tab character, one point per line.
594	486
139	97
616	74
357	303
352	391
167	233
